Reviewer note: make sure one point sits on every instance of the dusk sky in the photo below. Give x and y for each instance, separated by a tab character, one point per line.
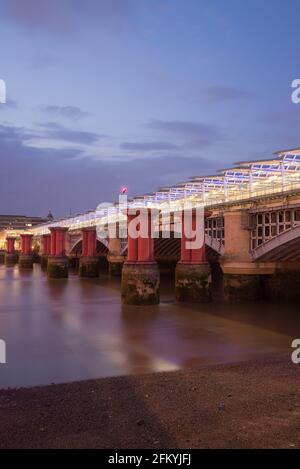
146	93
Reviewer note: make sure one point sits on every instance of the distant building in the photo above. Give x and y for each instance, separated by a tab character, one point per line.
21	222
16	224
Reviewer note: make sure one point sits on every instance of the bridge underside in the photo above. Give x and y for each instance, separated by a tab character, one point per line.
287	252
165	249
102	250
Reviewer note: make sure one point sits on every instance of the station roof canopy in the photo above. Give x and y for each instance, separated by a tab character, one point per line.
244	179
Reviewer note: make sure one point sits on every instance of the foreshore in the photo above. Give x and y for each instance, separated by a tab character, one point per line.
254	404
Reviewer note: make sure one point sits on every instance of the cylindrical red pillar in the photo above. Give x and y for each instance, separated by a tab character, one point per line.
10	244
45	251
192	276
146	244
91	247
89	263
185	253
26	243
140	273
194	255
132	251
48	244
57	266
198	254
52	241
89	242
84	243
58	241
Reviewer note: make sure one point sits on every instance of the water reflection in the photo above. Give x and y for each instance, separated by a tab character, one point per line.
63	330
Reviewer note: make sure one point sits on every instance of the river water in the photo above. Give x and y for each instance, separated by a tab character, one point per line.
66	330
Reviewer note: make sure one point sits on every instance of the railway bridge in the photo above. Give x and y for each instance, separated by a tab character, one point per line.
251	244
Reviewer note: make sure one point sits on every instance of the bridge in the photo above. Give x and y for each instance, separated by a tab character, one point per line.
252	235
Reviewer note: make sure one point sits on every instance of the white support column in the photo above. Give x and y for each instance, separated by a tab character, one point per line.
203	192
250	181
225	189
283	174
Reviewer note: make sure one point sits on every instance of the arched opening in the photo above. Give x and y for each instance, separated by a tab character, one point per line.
76	253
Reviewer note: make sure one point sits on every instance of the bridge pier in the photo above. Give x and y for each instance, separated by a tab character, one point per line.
192	274
115	258
243	279
26	255
11	255
283	285
45	251
2	257
140	273
57	261
89	263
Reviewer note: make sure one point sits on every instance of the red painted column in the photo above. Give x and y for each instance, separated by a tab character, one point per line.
58	241
91	247
198	255
146	245
10	240
89	242
52	241
48	244
132	254
84	243
45	251
26	244
189	255
185	252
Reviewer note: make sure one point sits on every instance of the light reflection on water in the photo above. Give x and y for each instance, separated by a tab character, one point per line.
72	329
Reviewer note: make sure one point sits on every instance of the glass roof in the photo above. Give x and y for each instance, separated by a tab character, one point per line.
244	180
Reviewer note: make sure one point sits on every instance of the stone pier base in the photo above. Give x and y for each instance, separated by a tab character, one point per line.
284	284
57	267
242	287
89	267
140	283
193	282
25	261
115	264
11	258
44	262
115	269
2	257
36	257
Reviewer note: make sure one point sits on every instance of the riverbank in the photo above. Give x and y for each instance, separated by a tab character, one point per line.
243	405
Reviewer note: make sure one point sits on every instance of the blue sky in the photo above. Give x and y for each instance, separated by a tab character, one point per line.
145	93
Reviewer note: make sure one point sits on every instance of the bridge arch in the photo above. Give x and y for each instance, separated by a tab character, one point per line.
76	248
284	247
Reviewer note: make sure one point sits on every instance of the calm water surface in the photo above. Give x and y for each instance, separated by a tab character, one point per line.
65	330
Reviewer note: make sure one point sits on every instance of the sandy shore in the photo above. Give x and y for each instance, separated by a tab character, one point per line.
245	405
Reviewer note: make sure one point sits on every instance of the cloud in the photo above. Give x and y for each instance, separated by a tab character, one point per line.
147	146
10	104
196	133
73	113
66	16
213	94
286	117
36	179
55	131
41	61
